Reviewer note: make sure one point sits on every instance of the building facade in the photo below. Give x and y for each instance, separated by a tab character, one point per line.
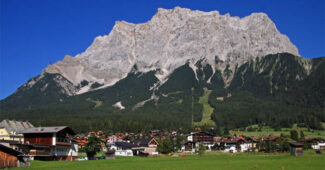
50	143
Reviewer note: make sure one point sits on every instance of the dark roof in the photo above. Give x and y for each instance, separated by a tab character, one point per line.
233	141
252	139
9	150
54	129
142	142
296	144
271	138
125	145
201	133
185	142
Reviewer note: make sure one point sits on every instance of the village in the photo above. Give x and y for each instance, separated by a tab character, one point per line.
21	142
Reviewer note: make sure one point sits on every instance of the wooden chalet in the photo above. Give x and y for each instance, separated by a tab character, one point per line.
10	158
204	138
296	149
233	145
50	143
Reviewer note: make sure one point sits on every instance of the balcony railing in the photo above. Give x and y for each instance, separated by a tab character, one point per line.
39	152
63	143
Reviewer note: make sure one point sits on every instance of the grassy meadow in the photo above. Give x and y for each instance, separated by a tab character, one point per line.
210	160
266	131
207	110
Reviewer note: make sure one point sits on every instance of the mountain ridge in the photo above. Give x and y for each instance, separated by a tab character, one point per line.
170	39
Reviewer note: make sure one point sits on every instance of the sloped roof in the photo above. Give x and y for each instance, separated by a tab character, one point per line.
53	129
125	145
10	150
234	140
15	126
296	144
142	142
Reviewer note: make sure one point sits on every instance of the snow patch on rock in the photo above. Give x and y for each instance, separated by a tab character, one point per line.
119	105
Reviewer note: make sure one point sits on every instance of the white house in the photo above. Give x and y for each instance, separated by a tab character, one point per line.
237	145
123	148
204	138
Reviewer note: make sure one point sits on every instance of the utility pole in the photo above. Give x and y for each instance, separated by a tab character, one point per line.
192	89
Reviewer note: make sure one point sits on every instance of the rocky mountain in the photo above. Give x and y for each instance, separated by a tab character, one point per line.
182	68
169	40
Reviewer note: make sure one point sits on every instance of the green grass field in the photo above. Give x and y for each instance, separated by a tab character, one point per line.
207	110
212	160
266	131
97	102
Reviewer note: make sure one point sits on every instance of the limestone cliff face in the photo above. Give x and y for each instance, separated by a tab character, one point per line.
170	39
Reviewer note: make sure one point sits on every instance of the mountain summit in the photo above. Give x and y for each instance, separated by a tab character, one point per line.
170	39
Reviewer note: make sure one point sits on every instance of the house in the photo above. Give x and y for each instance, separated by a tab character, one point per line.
237	144
50	143
204	138
10	158
11	129
269	144
188	146
137	147
252	141
123	148
147	146
296	149
315	143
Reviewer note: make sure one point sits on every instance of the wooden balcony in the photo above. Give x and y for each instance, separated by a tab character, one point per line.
63	143
39	152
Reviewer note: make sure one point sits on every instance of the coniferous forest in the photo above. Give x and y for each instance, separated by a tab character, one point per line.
276	90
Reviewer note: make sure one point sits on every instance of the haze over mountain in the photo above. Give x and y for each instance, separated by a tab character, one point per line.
169	64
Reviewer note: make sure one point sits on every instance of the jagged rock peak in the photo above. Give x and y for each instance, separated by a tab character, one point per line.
170	39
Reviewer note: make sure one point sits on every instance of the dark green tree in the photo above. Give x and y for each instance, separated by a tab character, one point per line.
92	147
166	146
294	135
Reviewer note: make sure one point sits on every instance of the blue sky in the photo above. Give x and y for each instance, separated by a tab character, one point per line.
36	33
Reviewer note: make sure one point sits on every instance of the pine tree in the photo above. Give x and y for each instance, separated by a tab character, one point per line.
294	135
